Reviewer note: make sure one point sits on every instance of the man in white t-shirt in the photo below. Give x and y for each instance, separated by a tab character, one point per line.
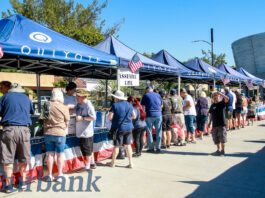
85	115
190	115
234	108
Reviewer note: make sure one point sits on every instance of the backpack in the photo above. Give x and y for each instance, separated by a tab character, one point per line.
174	104
45	112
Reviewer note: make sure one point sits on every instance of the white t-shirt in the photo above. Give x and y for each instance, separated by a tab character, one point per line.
85	128
234	99
191	110
70	100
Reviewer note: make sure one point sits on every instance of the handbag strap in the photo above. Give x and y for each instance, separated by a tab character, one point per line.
123	118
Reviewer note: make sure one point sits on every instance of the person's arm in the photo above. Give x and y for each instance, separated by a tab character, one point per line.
133	115
226	98
110	116
66	117
143	102
91	113
210	121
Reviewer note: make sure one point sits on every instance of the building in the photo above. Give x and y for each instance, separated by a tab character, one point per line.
249	53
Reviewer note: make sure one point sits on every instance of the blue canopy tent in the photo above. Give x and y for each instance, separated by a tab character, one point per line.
33	47
150	70
254	79
232	72
166	58
201	66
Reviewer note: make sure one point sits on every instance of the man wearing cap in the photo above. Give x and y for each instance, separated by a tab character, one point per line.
15	110
85	115
152	103
177	113
121	115
190	114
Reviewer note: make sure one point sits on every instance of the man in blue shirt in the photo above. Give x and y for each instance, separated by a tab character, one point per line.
15	110
152	103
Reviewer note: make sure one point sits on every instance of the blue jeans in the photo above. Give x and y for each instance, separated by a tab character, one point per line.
54	143
157	123
189	121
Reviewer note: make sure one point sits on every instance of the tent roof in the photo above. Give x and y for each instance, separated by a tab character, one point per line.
201	66
166	58
249	75
113	46
55	53
232	72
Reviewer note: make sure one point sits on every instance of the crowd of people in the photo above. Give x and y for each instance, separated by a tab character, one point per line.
163	119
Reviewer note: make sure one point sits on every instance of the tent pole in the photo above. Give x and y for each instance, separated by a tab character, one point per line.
118	81
179	81
240	85
214	82
106	92
38	92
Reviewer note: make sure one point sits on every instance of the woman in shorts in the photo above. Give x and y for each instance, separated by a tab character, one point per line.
55	131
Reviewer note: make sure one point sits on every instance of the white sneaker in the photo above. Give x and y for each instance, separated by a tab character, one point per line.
87	167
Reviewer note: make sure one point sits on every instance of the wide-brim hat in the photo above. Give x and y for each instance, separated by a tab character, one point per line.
82	92
15	87
119	95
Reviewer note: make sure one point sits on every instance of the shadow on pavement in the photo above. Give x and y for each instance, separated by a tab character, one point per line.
246	179
206	154
256	141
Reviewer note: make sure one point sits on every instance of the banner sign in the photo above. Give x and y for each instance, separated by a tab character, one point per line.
126	78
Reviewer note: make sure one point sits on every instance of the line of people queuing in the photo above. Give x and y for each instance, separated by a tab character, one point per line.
169	116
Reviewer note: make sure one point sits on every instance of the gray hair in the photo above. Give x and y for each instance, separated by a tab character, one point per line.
57	95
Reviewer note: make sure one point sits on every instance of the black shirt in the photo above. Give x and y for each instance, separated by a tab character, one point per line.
217	111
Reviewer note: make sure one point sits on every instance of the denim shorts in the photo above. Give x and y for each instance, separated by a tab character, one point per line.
189	121
54	143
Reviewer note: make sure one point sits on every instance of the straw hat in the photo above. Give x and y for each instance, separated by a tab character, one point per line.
15	87
119	95
82	92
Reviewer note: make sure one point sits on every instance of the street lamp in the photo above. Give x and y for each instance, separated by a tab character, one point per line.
209	43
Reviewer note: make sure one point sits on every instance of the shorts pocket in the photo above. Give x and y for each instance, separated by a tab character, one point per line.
7	135
26	135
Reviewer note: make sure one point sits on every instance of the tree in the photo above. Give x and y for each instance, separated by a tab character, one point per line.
67	17
218	59
148	55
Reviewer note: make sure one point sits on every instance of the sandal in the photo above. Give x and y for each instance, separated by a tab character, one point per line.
193	142
129	166
110	164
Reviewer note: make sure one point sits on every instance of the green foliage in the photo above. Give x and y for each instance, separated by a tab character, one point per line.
67	17
60	83
218	59
30	92
148	55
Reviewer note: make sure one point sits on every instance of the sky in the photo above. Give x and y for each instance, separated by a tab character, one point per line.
152	25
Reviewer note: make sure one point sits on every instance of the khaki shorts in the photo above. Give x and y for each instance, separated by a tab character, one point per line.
179	120
219	135
15	141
